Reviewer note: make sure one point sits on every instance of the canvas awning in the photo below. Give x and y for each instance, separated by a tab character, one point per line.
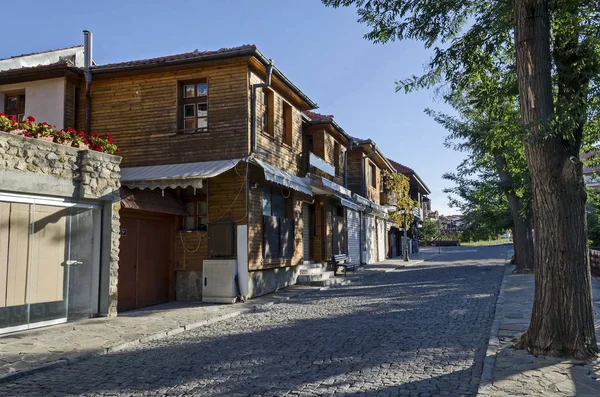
281	177
347	203
174	175
376	208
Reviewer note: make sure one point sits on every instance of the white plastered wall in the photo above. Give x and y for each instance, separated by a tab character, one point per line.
44	99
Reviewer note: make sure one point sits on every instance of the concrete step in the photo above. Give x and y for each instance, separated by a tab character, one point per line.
329	282
313	265
312	271
308	279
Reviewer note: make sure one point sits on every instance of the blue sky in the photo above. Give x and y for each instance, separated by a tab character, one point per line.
320	49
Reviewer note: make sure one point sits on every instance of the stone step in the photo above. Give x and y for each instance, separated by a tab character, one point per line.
308	279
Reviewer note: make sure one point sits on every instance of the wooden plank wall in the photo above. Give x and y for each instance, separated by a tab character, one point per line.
140	111
355	171
323	146
286	157
226	202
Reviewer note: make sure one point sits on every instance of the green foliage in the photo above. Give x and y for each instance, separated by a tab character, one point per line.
400	185
429	231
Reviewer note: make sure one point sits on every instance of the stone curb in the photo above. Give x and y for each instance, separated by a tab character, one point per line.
487	372
77	357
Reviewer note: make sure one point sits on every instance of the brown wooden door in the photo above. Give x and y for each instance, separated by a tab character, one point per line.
128	258
144	262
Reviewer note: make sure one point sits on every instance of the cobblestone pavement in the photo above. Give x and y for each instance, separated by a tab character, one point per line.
416	331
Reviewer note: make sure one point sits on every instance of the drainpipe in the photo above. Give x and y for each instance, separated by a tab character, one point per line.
255	88
87	63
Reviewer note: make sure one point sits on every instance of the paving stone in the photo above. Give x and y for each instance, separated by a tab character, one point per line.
413	331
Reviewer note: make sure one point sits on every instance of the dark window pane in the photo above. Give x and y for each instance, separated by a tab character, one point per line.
11	103
278	203
287	237
188	110
271	237
267	201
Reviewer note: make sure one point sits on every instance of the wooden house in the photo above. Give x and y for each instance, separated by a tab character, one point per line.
333	220
366	170
211	144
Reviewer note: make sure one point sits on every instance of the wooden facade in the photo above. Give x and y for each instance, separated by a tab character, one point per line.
141	112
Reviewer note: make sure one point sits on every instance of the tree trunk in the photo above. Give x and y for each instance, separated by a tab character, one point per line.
522	236
562	321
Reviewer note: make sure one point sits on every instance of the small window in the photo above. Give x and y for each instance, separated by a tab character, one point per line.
287	118
194	106
373	175
196	206
268	105
339	211
14	105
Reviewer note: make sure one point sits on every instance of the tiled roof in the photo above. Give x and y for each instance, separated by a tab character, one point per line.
40	68
401	168
172	58
319	118
41	52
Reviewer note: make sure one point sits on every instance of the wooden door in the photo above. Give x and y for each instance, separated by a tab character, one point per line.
128	248
144	261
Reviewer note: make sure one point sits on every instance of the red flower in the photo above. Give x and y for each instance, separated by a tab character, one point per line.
118	149
31	119
13	119
27	134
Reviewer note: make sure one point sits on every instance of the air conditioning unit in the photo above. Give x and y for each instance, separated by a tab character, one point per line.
218	278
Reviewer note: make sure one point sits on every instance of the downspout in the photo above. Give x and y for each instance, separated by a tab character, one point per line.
255	88
87	63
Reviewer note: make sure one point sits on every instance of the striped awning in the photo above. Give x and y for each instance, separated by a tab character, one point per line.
174	175
281	177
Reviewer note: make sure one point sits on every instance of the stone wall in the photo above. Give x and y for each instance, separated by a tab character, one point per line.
33	166
61	170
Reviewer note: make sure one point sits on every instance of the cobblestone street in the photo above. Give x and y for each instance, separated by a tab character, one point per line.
417	331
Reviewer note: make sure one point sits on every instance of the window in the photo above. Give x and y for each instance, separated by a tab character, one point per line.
373	175
287	124
278	224
196	205
194	106
14	105
268	104
337	162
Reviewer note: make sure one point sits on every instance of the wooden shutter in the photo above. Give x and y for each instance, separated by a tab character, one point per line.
221	239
